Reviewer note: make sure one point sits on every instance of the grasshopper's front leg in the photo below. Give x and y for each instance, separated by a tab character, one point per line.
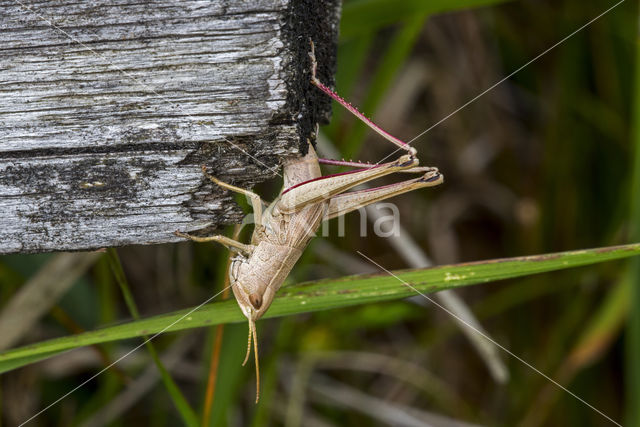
256	201
232	245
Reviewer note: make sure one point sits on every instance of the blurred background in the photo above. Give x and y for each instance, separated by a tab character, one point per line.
541	163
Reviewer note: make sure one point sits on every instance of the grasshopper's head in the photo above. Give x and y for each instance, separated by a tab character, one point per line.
253	296
253	300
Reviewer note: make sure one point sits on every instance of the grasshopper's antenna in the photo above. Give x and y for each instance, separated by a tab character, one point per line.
246	357
255	353
253	334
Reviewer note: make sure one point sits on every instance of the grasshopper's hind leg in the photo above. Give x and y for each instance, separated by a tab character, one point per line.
325	187
347	202
352	164
256	201
353	110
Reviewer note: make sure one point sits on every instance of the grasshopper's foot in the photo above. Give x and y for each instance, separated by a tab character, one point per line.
314	63
211	177
433	176
184	235
407	161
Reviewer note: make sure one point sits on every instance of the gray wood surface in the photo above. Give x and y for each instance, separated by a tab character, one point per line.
109	108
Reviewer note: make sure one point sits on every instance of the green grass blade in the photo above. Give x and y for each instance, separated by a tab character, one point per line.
598	335
365	16
633	327
352	56
188	414
328	294
396	55
121	279
603	327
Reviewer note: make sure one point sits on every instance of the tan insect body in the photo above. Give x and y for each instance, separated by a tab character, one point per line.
285	227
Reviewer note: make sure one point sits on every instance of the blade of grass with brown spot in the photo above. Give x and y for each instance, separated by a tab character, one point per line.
328	294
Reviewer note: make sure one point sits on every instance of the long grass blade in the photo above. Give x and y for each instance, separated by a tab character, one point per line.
364	16
633	343
328	294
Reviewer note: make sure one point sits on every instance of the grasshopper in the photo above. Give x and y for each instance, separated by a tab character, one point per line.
285	227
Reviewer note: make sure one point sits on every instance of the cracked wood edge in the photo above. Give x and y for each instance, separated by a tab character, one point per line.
102	137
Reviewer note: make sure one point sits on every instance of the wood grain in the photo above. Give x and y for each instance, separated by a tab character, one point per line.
110	108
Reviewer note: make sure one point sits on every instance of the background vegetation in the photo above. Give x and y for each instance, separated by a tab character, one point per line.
547	161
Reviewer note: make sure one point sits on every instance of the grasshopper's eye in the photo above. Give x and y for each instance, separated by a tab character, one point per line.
255	300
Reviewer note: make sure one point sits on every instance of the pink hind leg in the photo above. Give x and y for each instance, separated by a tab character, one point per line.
344	203
322	188
399	143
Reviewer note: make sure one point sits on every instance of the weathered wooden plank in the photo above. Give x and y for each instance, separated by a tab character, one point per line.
110	108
